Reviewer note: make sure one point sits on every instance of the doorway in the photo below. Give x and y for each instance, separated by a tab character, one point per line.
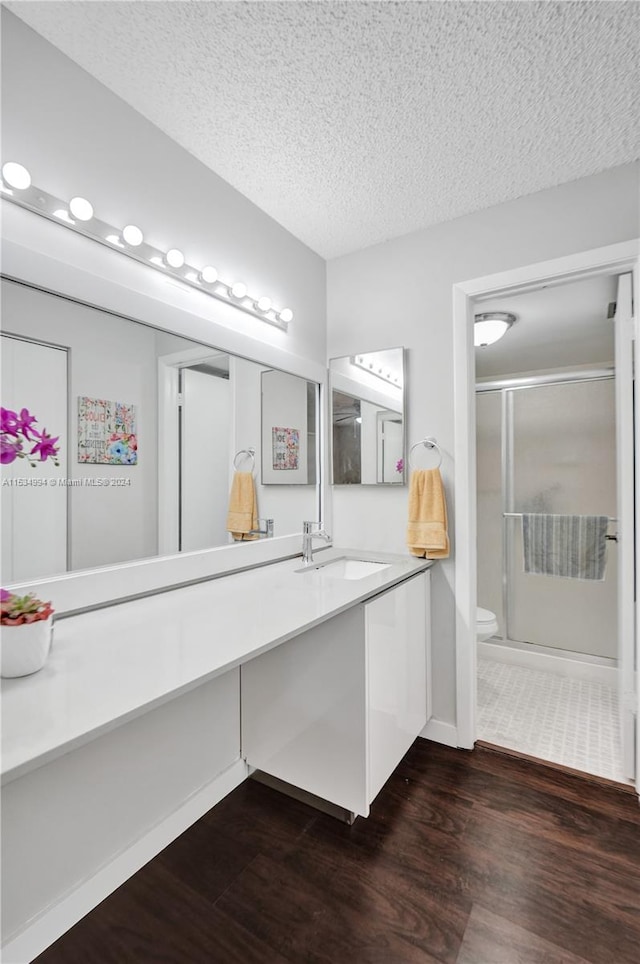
546	448
614	260
203	481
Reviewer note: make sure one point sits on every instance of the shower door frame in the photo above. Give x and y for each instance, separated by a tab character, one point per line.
620	258
506	387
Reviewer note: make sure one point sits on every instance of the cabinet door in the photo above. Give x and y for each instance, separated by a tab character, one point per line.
304	712
397	642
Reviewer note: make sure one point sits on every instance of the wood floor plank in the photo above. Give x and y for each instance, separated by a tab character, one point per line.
586	905
206	860
154	919
458	774
322	918
490	939
255	816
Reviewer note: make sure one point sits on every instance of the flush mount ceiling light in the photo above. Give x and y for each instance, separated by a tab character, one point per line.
78	215
490	326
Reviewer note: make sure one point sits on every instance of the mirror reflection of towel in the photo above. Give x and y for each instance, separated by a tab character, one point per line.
242	516
427	533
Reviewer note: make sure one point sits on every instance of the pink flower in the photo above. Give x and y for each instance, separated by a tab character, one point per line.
26	421
9	450
17	429
45	447
8	422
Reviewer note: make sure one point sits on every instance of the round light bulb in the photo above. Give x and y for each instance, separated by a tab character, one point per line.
209	274
174	258
132	235
239	290
264	304
81	209
286	314
16	175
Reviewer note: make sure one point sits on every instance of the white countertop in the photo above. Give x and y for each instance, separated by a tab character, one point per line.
111	665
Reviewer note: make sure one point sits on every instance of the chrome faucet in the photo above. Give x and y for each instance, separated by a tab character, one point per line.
267	531
308	535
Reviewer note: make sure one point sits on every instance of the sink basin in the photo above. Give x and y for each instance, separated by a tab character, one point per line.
345	568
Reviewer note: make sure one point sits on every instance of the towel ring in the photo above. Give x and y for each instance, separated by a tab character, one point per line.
247	454
429	443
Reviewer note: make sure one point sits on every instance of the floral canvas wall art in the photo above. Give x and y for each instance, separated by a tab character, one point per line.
107	432
286	448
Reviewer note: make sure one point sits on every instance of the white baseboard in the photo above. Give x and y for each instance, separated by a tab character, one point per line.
587	669
440	732
43	930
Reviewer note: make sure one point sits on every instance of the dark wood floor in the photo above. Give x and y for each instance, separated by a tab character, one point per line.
466	858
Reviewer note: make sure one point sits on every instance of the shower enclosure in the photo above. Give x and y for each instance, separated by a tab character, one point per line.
546	444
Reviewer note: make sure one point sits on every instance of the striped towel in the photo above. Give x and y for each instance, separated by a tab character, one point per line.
573	546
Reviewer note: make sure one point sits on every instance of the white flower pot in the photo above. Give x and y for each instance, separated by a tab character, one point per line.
24	649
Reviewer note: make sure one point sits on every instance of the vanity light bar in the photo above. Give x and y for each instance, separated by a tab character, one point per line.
78	215
379	371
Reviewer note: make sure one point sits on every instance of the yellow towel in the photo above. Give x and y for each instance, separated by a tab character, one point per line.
427	529
243	507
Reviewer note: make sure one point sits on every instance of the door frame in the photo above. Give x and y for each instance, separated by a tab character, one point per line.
169	441
66	464
612	259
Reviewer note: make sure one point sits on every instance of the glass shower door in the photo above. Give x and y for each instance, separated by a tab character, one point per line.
489	508
563	461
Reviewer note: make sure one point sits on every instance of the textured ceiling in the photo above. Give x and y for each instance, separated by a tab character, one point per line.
351	123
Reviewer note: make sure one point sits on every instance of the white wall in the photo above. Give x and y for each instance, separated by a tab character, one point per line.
399	292
76	137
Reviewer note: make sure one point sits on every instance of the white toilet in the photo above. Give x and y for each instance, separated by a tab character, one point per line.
486	624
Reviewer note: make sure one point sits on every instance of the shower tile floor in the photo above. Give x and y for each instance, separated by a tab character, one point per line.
567	721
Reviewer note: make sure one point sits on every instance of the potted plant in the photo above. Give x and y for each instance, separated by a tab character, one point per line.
26	625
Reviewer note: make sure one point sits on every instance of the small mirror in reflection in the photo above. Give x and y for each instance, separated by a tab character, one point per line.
367	418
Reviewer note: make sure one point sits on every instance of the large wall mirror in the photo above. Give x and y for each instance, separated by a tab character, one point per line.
368	443
151	428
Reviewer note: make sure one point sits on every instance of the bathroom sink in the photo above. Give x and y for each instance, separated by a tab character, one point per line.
345	568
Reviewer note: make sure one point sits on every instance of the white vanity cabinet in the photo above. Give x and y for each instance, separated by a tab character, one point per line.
333	710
